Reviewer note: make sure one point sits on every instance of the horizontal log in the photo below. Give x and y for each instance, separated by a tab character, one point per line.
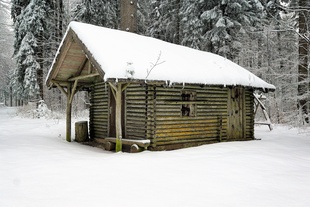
96	134
100	126
101	97
131	124
99	112
136	102
134	98
183	139
178	125
168	114
208	112
185	133
96	100
187	119
133	136
194	141
100	92
134	107
167	93
141	115
100	130
99	121
132	112
192	130
100	106
213	96
135	119
175	110
101	85
140	142
136	129
101	116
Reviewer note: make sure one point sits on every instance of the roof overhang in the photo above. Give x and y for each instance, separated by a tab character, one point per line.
73	62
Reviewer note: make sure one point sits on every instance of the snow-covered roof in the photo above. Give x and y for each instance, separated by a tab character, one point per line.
124	55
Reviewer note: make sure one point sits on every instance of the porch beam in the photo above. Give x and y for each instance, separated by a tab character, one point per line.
83	77
60	87
73	92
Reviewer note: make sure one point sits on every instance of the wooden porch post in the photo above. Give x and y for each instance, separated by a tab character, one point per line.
117	91
68	114
118	117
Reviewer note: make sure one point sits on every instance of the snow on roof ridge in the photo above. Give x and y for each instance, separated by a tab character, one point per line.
124	55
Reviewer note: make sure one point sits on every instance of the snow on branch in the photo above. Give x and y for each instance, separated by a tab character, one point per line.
153	65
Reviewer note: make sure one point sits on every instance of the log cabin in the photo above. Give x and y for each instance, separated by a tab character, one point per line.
151	94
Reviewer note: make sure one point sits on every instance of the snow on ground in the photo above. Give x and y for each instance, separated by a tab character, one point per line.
38	168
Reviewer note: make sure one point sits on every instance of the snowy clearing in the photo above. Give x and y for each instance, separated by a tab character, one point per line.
38	168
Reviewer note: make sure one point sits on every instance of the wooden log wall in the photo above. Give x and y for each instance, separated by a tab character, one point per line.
136	111
154	112
99	111
208	125
249	114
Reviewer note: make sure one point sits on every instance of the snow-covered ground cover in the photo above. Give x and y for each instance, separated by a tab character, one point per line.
38	168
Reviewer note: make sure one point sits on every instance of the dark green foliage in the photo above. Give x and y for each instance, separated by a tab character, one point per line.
97	12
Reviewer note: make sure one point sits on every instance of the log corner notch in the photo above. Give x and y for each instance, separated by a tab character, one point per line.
117	89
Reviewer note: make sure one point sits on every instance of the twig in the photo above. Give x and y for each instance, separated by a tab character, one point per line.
154	65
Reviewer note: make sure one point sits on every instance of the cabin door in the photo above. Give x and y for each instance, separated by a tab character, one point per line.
236	113
112	112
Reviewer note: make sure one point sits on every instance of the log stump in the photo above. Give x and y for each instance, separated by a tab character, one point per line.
81	131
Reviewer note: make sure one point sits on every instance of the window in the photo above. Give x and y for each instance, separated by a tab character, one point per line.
188	105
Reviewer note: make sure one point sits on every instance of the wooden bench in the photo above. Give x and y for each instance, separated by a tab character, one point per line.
136	145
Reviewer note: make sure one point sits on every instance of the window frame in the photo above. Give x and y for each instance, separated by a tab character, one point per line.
188	109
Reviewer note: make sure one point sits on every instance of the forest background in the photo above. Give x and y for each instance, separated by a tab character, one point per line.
268	37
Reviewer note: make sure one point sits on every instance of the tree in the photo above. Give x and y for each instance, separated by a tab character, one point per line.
191	24
165	20
97	12
6	41
226	23
30	24
303	67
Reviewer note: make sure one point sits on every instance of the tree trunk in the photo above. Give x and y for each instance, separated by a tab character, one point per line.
177	39
129	15
303	82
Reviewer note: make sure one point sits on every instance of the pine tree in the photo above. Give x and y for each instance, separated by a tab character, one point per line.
97	12
17	7
191	24
143	20
29	25
165	20
226	22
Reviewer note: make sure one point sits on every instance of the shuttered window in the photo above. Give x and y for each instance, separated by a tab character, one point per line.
188	107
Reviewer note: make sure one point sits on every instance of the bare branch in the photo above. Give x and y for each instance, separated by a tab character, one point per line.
153	65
